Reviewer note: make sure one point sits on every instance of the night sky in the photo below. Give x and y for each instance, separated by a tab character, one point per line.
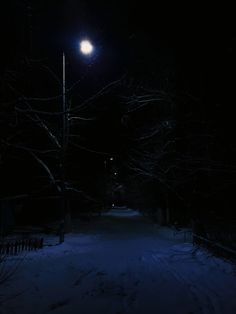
191	46
188	42
185	51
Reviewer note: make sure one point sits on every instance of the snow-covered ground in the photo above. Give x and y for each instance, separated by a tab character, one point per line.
120	264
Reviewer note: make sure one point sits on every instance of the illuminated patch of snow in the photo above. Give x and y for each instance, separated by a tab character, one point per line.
122	213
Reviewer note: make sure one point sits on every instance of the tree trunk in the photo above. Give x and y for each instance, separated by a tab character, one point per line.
68	220
167	210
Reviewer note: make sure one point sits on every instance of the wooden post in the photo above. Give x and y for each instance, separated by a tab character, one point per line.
62	232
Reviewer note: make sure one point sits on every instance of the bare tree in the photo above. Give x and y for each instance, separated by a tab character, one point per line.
39	127
170	148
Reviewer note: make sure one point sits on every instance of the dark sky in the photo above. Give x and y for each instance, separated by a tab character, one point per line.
189	49
186	49
190	45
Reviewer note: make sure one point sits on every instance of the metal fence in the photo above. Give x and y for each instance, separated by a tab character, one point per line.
216	235
13	247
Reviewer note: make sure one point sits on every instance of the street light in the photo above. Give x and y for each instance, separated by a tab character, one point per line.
86	49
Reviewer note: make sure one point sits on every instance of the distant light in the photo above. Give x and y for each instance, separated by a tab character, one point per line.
113	205
115	173
86	47
111	158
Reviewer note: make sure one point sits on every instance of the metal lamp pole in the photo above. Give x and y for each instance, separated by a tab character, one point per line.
62	153
86	48
64	100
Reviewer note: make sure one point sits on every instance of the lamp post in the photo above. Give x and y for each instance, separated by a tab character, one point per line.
86	49
65	224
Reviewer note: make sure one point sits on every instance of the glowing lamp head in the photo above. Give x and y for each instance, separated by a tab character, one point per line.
86	47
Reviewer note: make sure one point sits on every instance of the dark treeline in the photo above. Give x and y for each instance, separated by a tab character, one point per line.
159	133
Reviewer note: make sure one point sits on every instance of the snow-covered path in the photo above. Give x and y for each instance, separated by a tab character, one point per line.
121	264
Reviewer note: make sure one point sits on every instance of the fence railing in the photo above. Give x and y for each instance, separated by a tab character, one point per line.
13	247
213	245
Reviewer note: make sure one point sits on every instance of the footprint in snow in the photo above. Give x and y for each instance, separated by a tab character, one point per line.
82	276
57	305
100	273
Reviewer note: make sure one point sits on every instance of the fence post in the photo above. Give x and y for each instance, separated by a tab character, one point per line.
61	232
16	246
7	248
41	243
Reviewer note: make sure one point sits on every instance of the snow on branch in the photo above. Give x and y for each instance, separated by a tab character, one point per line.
48	171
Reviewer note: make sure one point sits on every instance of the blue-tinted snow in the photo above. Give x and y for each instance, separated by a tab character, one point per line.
119	264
